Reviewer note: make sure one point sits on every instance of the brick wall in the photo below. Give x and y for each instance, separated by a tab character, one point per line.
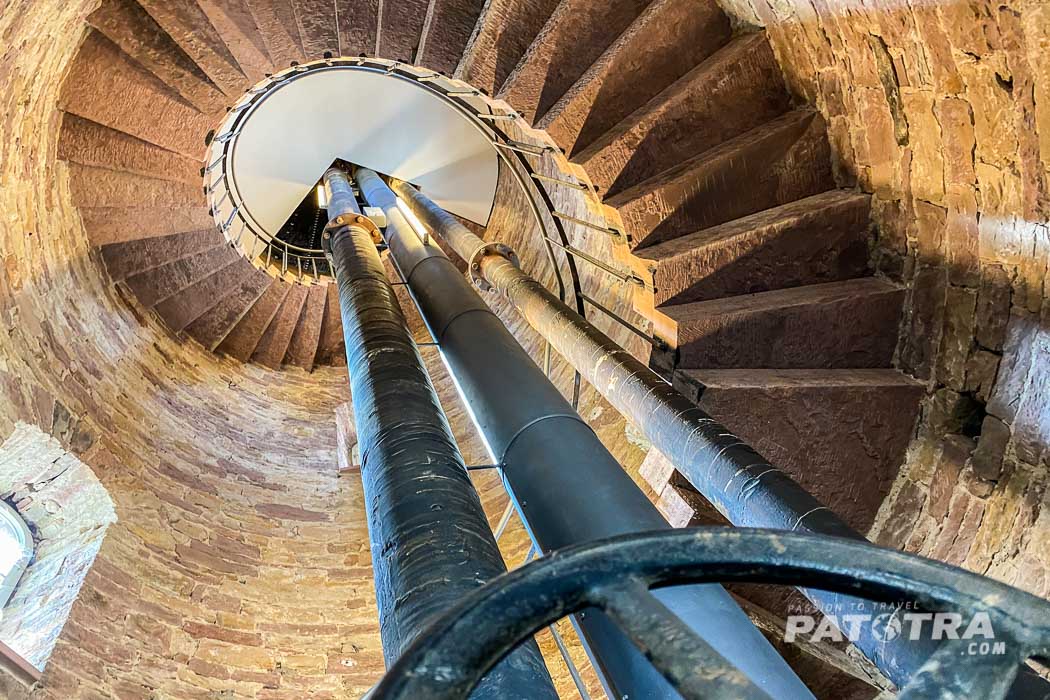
68	511
941	109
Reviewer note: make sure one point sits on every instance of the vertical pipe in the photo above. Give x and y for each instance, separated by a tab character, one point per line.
430	541
569	488
725	469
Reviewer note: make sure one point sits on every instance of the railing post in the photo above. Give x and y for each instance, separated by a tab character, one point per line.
430	540
568	487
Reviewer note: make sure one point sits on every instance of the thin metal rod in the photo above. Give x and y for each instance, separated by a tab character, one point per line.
577	680
589	224
505	518
626	277
624	322
558	181
526	148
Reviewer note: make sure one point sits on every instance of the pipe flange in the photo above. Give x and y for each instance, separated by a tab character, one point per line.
350	221
474	264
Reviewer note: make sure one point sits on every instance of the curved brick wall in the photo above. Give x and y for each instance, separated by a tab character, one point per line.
239	561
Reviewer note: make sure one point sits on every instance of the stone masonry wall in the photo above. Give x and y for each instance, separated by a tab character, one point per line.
941	109
68	511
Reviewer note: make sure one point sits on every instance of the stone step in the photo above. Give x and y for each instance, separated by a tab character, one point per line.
502	35
823	238
574	37
839	433
781	161
105	225
318	27
851	324
187	305
235	25
88	143
273	345
446	33
212	327
332	350
130	27
279	31
133	257
189	26
242	341
101	187
401	29
155	285
302	351
108	87
635	69
737	89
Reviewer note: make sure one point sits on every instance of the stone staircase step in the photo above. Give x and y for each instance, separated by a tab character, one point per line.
273	345
635	69
402	29
851	324
332	350
446	33
503	33
235	25
279	31
187	305
575	35
101	187
88	143
783	160
189	26
133	257
302	351
823	238
105	225
317	27
737	89
212	327
130	27
840	433
155	285
106	86
242	341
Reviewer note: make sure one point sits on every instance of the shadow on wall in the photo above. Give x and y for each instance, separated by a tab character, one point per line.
941	109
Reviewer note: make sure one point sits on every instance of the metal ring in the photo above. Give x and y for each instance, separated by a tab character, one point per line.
474	263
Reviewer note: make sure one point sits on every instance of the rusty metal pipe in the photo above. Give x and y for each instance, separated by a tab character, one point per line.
568	487
431	543
738	481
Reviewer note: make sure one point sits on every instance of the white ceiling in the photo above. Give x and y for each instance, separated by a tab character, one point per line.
381	122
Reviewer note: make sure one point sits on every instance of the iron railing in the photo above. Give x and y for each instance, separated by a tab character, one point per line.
309	266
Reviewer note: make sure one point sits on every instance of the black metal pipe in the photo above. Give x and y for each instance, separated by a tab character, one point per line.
430	540
569	488
729	472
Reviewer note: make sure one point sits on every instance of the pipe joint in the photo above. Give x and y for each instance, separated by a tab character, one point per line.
492	248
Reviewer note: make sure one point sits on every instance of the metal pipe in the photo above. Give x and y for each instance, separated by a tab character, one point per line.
738	481
568	487
430	540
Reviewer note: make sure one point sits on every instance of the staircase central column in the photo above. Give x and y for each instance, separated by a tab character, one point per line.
430	541
568	487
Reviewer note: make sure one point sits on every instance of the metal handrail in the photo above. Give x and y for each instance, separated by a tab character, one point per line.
510	151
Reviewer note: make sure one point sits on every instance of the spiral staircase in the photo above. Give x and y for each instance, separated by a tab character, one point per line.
718	186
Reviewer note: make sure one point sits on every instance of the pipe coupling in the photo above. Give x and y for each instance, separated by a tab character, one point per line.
346	222
474	263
